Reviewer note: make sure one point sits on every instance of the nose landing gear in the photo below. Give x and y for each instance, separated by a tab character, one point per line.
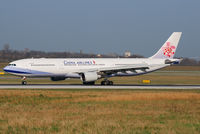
24	82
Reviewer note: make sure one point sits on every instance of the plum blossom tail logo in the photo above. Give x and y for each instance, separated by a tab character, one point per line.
168	50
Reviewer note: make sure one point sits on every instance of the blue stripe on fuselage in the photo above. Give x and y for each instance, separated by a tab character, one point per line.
17	72
23	71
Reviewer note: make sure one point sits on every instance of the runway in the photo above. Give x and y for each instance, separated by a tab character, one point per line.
64	86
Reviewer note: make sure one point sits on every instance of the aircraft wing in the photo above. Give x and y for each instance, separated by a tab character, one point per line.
112	70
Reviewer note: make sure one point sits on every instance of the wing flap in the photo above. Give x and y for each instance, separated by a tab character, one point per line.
111	70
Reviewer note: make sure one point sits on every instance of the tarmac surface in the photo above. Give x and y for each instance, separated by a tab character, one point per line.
65	86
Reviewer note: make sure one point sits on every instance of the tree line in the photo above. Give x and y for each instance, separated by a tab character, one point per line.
8	55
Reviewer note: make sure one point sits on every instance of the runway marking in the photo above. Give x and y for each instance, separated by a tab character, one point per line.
99	87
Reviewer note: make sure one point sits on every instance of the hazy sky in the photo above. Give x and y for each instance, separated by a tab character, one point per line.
100	26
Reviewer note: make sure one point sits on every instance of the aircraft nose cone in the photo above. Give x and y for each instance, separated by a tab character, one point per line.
5	68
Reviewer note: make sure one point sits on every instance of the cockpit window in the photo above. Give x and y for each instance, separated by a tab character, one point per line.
11	64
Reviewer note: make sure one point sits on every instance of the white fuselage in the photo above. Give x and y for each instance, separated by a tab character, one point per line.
70	67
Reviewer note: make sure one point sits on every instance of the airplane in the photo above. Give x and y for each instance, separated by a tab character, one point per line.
90	70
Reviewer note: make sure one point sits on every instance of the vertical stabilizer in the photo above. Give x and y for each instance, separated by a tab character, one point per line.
167	51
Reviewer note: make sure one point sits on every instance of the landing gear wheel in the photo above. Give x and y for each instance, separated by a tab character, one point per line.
103	83
107	82
24	82
110	82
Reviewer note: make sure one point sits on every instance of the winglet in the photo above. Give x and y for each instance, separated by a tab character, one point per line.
167	51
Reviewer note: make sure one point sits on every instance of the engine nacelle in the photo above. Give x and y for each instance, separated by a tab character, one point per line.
58	78
89	76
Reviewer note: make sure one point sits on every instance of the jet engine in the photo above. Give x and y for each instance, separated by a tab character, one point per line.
57	78
89	76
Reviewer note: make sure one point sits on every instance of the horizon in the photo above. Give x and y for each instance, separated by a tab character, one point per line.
96	54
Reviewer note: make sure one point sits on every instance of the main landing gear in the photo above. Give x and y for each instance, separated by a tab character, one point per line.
24	82
106	82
